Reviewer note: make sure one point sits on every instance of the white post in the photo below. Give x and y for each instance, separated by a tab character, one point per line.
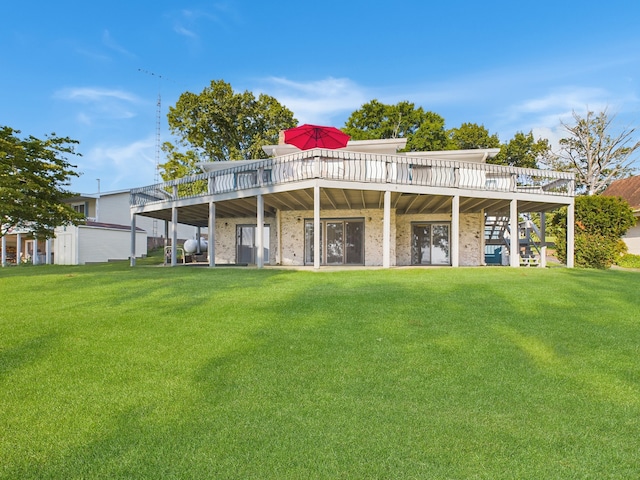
260	232
174	236
174	229
4	251
543	239
514	247
571	221
279	237
455	231
211	248
166	234
34	257
386	231
47	251
18	249
316	226
132	257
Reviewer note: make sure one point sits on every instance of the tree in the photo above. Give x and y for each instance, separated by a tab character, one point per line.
219	124
33	174
600	222
374	120
523	151
471	135
595	154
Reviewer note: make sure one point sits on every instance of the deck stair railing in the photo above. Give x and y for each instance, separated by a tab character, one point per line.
498	241
529	244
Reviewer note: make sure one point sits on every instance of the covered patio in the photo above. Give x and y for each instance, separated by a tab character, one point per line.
386	191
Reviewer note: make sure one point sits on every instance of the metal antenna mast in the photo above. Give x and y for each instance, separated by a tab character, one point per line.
156	174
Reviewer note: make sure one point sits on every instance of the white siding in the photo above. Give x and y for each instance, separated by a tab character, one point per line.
83	244
632	239
114	208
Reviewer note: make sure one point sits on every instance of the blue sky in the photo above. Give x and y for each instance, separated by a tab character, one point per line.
93	70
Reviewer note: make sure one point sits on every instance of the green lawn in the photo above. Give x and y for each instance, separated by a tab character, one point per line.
159	373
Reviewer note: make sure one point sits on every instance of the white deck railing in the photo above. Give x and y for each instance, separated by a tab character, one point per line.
359	167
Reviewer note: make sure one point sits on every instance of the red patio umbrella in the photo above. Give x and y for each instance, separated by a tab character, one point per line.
308	136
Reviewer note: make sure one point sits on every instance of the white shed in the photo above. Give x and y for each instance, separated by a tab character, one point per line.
96	242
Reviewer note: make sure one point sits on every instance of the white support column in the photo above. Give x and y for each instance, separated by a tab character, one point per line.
132	257
34	257
316	226
211	247
174	236
166	233
198	236
3	255
543	239
279	237
386	231
18	249
455	231
47	251
571	221
260	233
174	229
514	247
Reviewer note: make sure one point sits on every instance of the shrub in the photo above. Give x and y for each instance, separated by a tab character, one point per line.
629	260
599	224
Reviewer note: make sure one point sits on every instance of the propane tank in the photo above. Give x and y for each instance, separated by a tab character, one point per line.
191	246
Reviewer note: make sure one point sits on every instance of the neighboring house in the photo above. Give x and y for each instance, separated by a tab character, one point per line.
365	204
629	190
106	234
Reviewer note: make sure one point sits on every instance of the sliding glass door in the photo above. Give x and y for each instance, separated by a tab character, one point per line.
246	244
430	244
344	244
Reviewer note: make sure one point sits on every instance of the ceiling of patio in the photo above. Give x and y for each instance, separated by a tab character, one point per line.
345	199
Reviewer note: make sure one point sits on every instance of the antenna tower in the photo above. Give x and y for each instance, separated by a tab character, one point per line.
156	173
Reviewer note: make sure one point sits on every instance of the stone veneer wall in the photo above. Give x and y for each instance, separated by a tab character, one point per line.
226	238
286	243
292	237
471	236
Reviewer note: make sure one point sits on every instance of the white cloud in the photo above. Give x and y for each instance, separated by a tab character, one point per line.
180	30
319	101
100	103
94	94
109	42
118	166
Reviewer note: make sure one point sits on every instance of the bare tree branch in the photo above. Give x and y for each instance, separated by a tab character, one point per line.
596	155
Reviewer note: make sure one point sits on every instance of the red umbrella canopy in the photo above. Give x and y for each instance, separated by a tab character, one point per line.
308	136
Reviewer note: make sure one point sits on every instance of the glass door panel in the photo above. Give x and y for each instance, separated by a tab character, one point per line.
440	245
421	245
354	243
246	244
335	243
430	244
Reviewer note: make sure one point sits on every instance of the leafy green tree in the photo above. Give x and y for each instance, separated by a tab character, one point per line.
595	153
600	222
33	174
375	120
470	136
523	151
220	124
179	164
430	135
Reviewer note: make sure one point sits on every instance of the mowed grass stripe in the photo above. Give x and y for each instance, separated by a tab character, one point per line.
113	372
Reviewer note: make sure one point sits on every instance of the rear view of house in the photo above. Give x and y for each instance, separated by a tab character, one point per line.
365	204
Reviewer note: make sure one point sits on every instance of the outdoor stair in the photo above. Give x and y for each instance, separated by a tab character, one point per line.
497	231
